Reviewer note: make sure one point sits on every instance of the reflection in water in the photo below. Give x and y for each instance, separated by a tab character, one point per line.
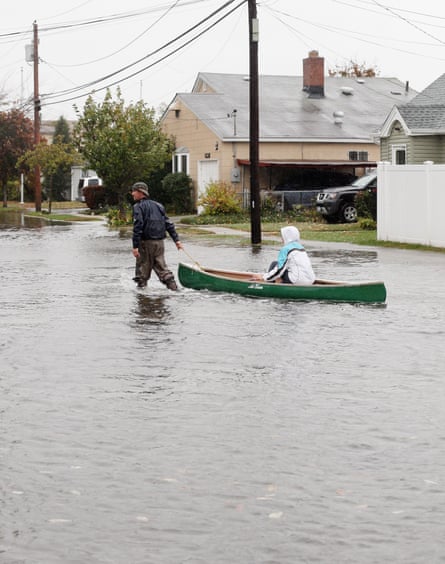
18	220
151	309
345	256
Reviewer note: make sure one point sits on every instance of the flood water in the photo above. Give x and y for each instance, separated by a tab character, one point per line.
153	427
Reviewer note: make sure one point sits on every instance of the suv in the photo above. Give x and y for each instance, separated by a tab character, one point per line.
338	204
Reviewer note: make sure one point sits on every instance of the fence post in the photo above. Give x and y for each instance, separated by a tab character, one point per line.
382	201
428	165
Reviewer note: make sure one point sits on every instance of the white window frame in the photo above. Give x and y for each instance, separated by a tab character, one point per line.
181	161
395	149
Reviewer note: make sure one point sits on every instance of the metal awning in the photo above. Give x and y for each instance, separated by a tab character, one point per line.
310	164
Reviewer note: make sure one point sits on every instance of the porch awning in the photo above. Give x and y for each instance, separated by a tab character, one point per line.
310	164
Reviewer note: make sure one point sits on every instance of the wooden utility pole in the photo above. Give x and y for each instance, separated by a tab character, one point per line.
255	203
37	184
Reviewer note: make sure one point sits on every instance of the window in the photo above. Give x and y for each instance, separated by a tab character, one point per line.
181	160
358	155
398	154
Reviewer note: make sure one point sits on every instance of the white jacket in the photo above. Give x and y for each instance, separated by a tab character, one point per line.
293	259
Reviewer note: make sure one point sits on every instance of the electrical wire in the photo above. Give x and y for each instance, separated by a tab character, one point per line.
171	7
95	21
46	97
412	24
346	33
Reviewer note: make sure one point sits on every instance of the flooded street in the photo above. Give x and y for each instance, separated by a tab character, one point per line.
153	427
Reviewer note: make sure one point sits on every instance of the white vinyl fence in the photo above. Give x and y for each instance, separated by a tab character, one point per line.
411	203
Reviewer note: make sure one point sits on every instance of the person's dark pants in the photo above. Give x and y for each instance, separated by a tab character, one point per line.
151	257
284	276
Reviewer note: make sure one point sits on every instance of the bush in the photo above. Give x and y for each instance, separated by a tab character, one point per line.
220	199
98	197
94	196
13	190
177	189
118	217
367	224
366	203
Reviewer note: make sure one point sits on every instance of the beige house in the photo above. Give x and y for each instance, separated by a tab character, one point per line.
314	130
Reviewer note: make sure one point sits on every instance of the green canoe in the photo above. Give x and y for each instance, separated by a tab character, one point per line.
234	282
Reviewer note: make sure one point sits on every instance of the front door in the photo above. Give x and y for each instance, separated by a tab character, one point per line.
207	172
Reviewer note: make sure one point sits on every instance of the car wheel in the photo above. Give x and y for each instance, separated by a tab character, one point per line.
348	213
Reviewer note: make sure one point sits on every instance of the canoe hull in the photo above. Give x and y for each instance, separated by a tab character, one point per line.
234	282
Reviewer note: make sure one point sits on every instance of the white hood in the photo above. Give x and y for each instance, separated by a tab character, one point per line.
290	234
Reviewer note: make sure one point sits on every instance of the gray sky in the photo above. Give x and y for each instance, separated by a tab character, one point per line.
82	41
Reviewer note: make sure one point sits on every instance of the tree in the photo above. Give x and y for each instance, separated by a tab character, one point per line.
177	192
16	137
62	132
123	144
61	179
50	159
352	69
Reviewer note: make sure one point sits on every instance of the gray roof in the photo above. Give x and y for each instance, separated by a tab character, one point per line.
288	114
433	94
417	117
426	111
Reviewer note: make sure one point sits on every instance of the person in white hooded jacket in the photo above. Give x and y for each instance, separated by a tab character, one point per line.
293	265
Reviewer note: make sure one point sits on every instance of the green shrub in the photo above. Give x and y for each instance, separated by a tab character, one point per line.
367	224
118	217
366	203
177	192
220	198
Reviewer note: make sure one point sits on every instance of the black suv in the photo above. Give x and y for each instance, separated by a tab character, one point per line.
338	204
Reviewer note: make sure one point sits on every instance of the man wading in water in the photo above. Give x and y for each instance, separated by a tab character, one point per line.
150	225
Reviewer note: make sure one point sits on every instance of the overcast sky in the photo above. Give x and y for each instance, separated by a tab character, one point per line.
137	45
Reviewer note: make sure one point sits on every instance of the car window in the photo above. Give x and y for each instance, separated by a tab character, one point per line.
364	181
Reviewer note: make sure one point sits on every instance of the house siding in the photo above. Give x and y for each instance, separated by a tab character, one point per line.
187	131
428	148
388	143
418	149
316	151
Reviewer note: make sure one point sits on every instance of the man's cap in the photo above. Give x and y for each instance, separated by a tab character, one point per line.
140	187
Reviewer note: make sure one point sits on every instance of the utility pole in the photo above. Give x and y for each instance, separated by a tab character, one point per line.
38	187
255	204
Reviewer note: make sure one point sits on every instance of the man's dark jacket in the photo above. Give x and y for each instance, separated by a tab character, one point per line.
151	222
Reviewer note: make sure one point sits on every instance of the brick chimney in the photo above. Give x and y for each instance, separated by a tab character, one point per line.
313	75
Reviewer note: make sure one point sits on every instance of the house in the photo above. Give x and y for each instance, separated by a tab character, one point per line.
414	132
313	129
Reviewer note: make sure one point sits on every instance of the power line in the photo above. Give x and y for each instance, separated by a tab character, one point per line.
357	36
128	44
395	9
89	85
412	24
95	21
